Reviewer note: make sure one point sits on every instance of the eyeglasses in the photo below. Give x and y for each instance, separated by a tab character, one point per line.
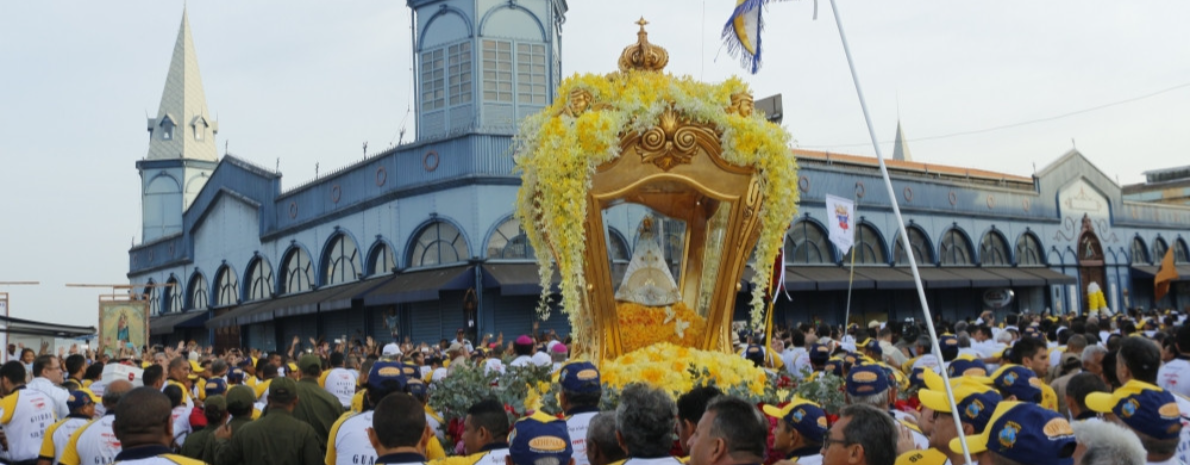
826	443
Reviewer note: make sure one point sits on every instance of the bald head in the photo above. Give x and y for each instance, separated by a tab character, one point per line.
143	418
114	392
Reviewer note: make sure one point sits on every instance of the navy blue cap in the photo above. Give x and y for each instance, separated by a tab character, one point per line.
754	354
1143	407
873	346
1024	433
834	366
387	377
966	365
215	386
539	436
235	375
580	377
804	416
1018	381
819	353
866	380
79	399
917	377
416	387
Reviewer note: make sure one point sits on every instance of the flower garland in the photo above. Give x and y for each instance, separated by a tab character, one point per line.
557	152
674	369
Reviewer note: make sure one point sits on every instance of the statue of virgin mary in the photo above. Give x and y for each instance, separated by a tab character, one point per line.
648	280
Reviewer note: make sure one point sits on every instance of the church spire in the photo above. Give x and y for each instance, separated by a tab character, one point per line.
901	146
182	128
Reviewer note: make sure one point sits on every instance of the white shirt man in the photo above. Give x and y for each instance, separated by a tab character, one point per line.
25	414
180	416
1174	376
349	444
92	444
340	382
48	384
797	362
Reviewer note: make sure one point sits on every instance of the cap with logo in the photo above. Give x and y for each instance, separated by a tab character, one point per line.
806	417
539	436
922	457
580	377
834	366
79	399
966	365
755	354
1144	407
819	353
1025	433
873	346
975	402
387	377
866	380
416	387
241	397
235	375
1016	380
282	390
215	386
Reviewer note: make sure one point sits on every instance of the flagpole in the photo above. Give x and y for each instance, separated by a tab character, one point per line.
892	197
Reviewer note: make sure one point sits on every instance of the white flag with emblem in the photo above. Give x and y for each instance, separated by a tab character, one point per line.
840	213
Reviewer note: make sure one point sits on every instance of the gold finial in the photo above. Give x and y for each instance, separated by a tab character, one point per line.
642	55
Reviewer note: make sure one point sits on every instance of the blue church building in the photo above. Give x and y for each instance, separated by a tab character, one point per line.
423	234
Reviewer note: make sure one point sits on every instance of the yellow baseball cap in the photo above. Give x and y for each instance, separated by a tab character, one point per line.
922	457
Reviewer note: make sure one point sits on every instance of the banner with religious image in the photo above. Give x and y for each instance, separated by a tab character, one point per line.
840	216
123	324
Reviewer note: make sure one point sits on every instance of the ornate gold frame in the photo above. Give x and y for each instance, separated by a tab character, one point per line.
676	151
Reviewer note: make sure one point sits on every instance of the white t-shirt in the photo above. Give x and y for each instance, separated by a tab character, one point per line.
350	444
25	415
59	434
92	444
577	425
180	416
340	382
1183	452
520	361
797	362
1175	377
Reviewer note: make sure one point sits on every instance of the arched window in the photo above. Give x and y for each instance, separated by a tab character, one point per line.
173	296
381	261
299	272
341	264
922	252
1179	254
227	288
955	250
153	294
993	250
260	280
807	243
198	292
1159	248
1140	252
870	246
438	243
1028	251
509	242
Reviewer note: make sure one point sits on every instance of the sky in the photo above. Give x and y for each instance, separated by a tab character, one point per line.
304	83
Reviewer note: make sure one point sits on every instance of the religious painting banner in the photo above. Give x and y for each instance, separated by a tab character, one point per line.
123	325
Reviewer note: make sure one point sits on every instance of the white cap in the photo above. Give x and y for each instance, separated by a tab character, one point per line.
391	349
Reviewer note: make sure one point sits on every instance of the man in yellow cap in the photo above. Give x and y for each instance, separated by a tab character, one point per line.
1153	413
975	403
801	427
1021	433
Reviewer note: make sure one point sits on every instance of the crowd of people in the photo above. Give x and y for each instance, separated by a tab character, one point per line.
1027	389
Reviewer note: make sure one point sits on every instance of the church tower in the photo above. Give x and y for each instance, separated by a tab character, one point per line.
483	65
182	152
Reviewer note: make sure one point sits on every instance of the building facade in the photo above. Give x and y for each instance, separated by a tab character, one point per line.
420	240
